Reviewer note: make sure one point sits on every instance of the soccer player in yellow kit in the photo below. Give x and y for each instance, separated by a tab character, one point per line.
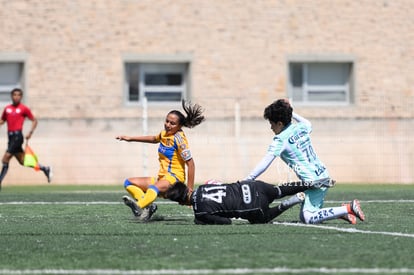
173	152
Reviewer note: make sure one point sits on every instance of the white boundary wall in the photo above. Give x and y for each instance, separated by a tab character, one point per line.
86	151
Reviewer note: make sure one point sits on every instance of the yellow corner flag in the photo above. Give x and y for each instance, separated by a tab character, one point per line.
30	158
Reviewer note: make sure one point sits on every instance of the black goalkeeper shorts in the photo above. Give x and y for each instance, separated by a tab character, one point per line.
15	142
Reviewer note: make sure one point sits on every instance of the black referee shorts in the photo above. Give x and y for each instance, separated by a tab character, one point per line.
15	142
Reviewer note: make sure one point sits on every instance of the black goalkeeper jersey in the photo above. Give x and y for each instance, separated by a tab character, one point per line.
236	200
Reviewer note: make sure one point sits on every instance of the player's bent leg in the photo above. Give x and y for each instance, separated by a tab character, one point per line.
4	170
295	199
147	202
321	215
149	197
285	205
6	159
142	182
132	186
291	188
160	186
136	192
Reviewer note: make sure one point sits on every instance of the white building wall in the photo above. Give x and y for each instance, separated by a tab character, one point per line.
86	151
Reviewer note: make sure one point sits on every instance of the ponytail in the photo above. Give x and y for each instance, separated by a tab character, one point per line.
193	112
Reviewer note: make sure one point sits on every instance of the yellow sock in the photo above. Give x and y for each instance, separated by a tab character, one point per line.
149	197
135	192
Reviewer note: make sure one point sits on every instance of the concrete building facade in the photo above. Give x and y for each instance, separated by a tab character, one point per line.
86	66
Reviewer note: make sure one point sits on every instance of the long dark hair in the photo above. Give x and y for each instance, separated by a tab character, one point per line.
193	112
178	192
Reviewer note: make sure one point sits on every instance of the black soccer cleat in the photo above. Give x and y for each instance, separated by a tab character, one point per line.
148	211
48	173
133	205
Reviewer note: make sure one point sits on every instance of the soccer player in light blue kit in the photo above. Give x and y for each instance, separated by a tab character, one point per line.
293	145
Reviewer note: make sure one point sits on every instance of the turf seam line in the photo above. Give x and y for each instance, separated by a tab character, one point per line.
209	271
162	202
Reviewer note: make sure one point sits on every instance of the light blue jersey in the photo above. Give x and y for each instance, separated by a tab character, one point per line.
293	145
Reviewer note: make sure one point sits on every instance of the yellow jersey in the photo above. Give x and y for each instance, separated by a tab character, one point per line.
173	152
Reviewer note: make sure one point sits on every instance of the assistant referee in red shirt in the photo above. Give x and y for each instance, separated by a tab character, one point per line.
15	114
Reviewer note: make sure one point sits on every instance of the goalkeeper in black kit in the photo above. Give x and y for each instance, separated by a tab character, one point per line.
250	199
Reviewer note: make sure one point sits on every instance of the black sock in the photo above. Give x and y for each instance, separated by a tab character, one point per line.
4	171
292	188
274	212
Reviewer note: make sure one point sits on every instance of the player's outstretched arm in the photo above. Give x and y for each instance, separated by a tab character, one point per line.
261	166
146	139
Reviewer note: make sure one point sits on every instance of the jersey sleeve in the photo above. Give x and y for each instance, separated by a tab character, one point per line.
182	146
158	137
261	166
303	120
28	113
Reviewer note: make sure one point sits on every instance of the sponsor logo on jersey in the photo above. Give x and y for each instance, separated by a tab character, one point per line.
186	154
295	138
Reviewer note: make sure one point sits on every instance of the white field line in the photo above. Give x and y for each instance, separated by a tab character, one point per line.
347	230
275	270
376	201
60	203
161	202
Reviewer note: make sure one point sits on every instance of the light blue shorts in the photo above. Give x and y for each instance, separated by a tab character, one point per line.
314	199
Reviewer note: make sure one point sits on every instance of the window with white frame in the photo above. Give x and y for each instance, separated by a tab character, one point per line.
321	82
11	76
158	82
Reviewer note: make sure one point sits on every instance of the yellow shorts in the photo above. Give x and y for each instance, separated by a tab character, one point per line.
168	177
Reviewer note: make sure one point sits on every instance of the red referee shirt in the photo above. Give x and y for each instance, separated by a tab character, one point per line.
15	115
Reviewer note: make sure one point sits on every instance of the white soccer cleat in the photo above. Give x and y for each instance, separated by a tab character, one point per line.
356	209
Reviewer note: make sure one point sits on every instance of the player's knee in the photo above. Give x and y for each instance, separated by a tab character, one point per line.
305	217
127	183
155	189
